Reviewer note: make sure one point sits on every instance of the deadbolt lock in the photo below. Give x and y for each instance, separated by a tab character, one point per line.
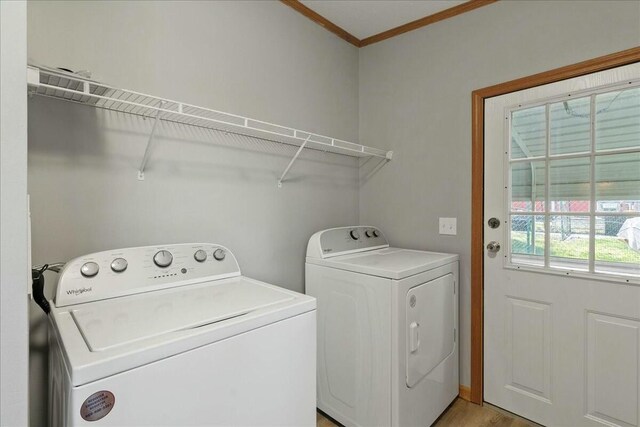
494	223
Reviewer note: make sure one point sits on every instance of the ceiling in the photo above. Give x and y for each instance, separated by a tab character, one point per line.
365	18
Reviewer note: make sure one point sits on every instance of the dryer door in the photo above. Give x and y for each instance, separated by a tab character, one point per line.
430	324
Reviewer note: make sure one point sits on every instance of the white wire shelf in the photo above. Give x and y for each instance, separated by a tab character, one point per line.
59	84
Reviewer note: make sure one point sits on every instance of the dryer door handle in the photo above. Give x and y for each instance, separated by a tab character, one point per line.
414	337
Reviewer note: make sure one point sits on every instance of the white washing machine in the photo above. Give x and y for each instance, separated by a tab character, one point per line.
175	336
387	328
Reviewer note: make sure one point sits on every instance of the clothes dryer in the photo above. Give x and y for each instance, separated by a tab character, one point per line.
387	328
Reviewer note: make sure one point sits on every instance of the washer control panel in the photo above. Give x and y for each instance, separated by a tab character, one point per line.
121	272
345	240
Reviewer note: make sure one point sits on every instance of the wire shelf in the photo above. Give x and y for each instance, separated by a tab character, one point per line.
59	84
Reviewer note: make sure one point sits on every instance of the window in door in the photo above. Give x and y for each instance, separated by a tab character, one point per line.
574	183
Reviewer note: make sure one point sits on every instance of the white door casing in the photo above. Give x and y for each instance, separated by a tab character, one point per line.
560	348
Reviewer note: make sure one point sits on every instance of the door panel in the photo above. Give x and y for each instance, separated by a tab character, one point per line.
613	369
528	343
561	347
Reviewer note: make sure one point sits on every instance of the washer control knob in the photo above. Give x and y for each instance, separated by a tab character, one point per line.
354	234
163	258
119	265
89	269
368	233
375	233
219	254
200	255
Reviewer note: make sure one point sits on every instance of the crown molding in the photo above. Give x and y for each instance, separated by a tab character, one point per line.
413	25
427	20
322	21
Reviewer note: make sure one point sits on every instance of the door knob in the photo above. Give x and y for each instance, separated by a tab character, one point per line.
493	246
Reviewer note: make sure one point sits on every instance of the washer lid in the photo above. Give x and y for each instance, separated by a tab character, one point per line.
391	263
106	337
116	322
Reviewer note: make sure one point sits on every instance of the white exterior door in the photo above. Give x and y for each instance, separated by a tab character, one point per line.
562	290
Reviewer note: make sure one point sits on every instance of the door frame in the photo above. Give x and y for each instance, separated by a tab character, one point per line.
478	96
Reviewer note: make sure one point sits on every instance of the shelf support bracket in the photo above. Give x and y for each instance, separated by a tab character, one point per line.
286	171
147	151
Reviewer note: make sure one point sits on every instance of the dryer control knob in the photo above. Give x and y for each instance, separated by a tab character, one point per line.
368	233
375	233
163	258
89	269
200	255
354	234
219	254
119	265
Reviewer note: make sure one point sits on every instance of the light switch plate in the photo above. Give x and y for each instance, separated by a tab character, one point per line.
448	226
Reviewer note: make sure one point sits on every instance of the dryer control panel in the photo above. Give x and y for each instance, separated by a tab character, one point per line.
121	272
345	240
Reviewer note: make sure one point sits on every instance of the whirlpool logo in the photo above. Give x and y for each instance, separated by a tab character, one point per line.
78	291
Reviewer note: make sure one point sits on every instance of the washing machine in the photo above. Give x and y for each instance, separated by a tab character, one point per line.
174	335
387	328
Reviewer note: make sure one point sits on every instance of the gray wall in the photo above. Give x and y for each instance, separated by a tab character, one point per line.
415	98
14	265
259	59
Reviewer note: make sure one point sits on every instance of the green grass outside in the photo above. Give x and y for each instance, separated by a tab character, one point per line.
607	248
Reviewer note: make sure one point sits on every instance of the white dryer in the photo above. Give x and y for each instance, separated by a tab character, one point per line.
387	328
175	336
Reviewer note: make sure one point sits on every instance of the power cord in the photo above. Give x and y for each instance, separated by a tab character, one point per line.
37	287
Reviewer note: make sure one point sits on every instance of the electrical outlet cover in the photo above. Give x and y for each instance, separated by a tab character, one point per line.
448	226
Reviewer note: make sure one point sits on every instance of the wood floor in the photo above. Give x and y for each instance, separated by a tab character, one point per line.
463	413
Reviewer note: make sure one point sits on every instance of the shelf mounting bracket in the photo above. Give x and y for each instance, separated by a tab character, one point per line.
147	151
286	171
